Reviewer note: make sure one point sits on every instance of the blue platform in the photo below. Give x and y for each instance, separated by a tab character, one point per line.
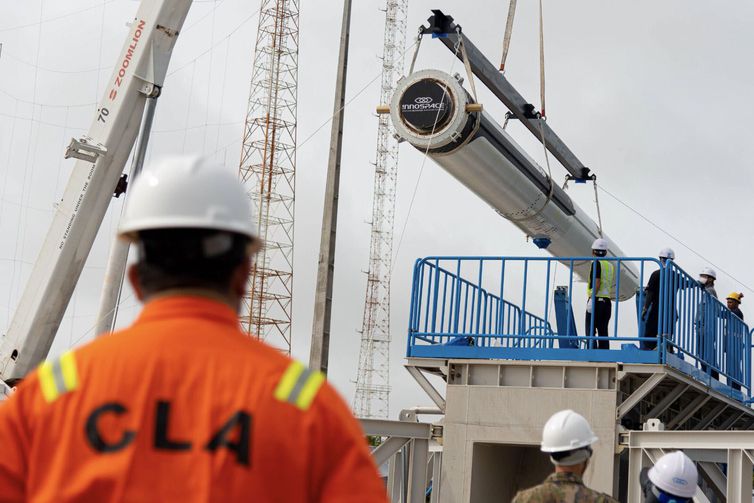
505	308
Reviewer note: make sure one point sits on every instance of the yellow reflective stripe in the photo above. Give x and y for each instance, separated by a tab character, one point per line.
310	389
47	382
68	366
288	381
606	284
58	376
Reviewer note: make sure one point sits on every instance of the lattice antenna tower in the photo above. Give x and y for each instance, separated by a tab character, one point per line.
268	169
372	397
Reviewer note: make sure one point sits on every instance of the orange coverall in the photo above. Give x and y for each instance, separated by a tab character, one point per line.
181	406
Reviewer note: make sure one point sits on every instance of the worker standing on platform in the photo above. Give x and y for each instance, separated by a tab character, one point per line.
599	308
705	320
673	478
183	405
734	335
651	309
734	301
567	438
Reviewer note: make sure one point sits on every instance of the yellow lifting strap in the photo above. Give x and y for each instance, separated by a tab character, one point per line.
58	377
299	385
508	33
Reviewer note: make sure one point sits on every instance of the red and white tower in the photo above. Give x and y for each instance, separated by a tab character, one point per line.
268	168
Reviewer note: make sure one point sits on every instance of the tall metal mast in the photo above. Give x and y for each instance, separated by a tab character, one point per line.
268	168
373	381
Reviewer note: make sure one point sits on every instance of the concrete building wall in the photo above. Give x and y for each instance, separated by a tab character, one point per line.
480	418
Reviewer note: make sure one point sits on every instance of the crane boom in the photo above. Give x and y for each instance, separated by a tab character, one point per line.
102	154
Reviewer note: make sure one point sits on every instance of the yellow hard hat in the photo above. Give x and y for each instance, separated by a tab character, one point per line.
735	296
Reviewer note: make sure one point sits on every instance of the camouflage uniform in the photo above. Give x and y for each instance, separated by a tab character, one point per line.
562	488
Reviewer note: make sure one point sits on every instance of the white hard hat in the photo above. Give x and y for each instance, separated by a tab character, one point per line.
708	271
600	244
566	431
187	192
667	253
675	474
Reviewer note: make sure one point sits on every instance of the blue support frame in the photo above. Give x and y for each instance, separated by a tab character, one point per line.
564	318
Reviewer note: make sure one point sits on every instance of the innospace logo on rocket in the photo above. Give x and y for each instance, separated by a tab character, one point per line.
423	104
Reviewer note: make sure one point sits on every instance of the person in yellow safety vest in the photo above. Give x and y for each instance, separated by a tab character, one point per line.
600	283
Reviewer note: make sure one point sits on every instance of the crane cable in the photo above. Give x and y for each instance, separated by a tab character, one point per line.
541	61
543	114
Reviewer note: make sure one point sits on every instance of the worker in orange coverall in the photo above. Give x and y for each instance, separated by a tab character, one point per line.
183	406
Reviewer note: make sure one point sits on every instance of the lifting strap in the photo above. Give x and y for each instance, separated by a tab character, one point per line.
593	178
549	181
508	117
597	202
466	64
416	51
508	33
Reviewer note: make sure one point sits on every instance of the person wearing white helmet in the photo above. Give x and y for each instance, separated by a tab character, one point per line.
183	405
673	479
705	322
567	438
599	307
651	308
707	278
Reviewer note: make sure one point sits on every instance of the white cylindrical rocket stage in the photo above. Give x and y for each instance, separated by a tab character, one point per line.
429	110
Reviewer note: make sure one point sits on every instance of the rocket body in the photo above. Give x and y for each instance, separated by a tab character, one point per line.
429	111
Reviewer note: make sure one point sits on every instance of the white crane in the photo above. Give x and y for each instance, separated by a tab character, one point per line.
102	154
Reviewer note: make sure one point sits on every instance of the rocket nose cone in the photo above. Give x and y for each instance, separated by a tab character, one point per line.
427	106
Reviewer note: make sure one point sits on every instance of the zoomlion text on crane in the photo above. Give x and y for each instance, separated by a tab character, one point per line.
127	60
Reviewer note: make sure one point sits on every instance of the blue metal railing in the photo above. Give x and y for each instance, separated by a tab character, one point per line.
451	307
501	307
698	326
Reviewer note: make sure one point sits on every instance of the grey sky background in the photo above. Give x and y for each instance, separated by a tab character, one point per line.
655	97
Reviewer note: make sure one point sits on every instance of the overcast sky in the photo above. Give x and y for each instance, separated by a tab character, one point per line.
655	97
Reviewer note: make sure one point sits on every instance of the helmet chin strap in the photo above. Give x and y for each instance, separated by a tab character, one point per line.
652	494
